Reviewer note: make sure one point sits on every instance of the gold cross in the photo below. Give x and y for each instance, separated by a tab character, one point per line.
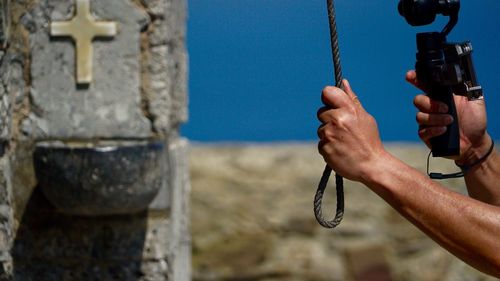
83	29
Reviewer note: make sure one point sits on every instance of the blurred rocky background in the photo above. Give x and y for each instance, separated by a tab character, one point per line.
252	220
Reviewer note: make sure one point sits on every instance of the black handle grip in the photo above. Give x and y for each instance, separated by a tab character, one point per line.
447	144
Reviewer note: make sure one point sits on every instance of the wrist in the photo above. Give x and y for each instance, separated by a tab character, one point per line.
375	170
476	152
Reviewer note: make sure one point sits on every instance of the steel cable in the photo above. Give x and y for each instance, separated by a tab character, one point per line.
318	199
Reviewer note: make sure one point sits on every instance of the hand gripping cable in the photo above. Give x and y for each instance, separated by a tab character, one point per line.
318	213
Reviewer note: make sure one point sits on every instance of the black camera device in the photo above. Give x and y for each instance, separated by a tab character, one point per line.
443	68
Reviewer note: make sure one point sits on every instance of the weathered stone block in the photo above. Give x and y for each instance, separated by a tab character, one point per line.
156	271
180	238
101	178
156	247
111	106
156	7
166	55
4	236
136	94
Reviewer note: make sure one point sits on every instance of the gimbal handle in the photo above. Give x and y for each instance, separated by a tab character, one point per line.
447	144
432	63
431	72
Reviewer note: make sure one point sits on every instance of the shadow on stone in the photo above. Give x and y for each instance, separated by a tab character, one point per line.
53	246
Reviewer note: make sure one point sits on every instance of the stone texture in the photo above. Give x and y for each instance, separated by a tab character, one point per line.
10	85
156	8
180	237
146	246
167	54
163	199
252	219
4	22
61	247
139	72
4	112
111	106
108	177
82	28
6	220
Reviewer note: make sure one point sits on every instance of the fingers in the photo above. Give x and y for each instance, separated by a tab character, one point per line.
411	77
338	98
423	102
348	89
427	105
326	115
425	119
337	103
323	114
432	117
426	133
324	132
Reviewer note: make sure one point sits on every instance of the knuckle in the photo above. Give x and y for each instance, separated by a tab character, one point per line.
422	133
342	120
319	113
325	133
323	149
326	116
351	108
320	132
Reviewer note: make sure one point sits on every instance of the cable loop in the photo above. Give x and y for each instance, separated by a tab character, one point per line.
318	212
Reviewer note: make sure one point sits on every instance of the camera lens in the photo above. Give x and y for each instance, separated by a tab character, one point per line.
418	12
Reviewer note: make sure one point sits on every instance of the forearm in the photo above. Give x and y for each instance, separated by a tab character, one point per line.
483	180
466	227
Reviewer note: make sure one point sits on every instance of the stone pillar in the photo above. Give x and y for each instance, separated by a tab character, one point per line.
93	173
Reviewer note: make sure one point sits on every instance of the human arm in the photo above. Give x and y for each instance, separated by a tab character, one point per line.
482	179
350	144
467	228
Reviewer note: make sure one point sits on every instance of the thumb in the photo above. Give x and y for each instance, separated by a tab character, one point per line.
334	97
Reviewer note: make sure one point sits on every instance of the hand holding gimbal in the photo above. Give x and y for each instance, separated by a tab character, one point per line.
442	68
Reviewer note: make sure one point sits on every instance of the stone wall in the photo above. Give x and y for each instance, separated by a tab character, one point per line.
252	219
137	95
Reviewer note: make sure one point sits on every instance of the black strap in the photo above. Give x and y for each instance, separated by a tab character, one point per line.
464	168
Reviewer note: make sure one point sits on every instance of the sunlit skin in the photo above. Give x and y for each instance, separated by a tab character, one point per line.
468	227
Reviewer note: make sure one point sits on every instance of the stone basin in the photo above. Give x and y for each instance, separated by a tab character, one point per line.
98	178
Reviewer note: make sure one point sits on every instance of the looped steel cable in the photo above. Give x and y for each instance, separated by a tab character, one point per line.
318	213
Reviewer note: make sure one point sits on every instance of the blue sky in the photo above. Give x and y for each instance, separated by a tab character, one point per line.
257	67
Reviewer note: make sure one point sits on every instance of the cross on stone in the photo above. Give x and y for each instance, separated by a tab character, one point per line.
83	29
